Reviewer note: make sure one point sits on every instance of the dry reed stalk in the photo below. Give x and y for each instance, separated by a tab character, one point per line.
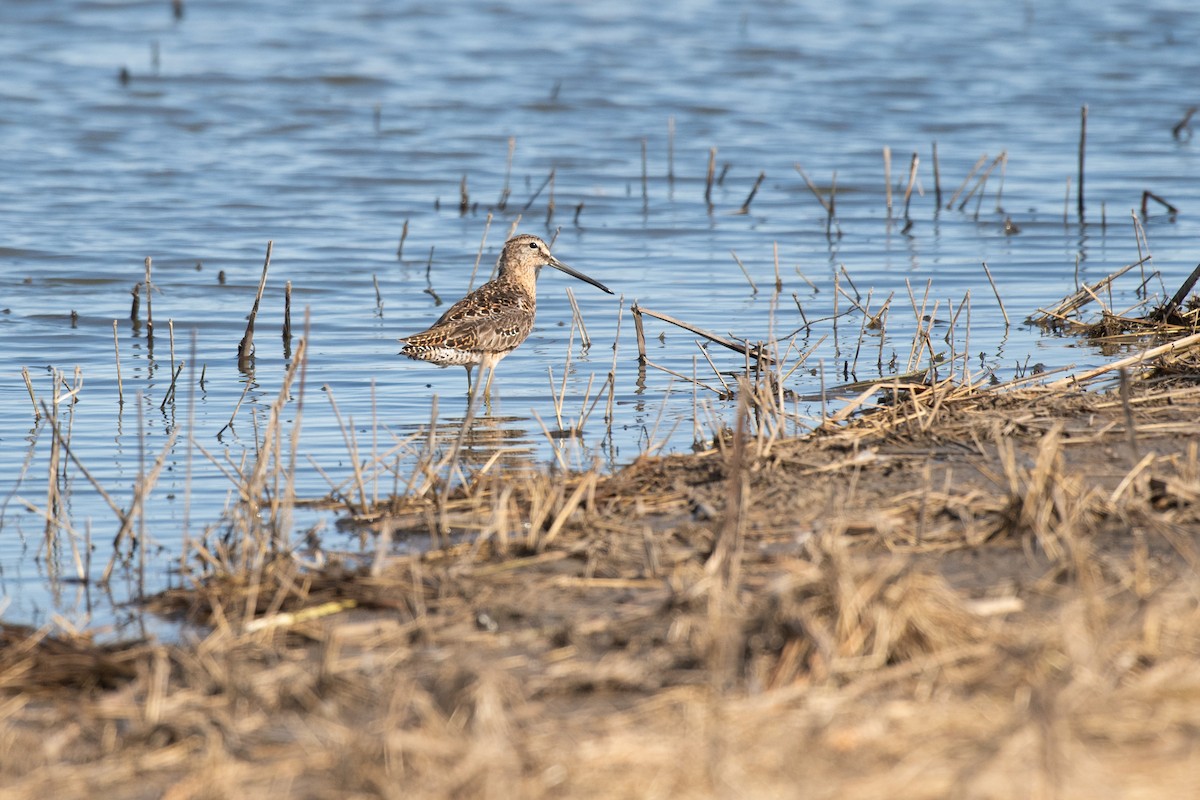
32	399
645	180
403	236
585	341
996	292
708	181
962	187
1082	297
1083	115
550	206
742	267
487	225
641	337
751	352
745	208
534	196
464	199
887	179
778	280
149	306
117	355
1177	346
937	178
908	189
980	184
502	203
246	346
1149	195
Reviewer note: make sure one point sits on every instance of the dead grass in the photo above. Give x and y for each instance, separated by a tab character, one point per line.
964	593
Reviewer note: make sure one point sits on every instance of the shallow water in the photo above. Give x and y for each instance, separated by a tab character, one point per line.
324	128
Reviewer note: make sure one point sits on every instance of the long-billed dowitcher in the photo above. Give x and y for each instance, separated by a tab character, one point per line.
492	321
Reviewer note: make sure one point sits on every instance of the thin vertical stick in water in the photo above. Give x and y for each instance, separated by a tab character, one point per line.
645	186
403	236
117	354
996	291
637	327
887	178
742	267
505	192
149	304
908	190
287	317
464	198
479	255
141	484
937	177
246	346
1083	114
671	149
550	204
1067	201
136	291
187	459
708	181
171	345
778	280
378	296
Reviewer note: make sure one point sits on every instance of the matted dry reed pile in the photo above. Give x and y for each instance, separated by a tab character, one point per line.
966	592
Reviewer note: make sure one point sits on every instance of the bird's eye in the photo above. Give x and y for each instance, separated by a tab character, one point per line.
533	245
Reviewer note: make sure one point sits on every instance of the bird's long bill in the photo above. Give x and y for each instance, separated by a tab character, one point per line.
554	262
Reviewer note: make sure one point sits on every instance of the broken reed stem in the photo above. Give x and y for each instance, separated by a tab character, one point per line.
508	162
403	236
287	313
117	354
671	149
29	385
954	197
246	346
887	178
1083	115
996	291
742	267
745	209
737	347
464	199
149	304
534	196
487	226
778	280
708	181
637	327
645	179
908	190
585	341
937	178
136	291
170	395
1149	195
1127	409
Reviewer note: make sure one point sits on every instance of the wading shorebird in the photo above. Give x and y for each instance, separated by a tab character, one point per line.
492	321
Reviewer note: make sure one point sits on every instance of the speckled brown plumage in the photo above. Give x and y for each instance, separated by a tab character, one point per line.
492	321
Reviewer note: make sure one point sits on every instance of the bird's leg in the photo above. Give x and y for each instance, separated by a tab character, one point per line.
469	379
487	388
